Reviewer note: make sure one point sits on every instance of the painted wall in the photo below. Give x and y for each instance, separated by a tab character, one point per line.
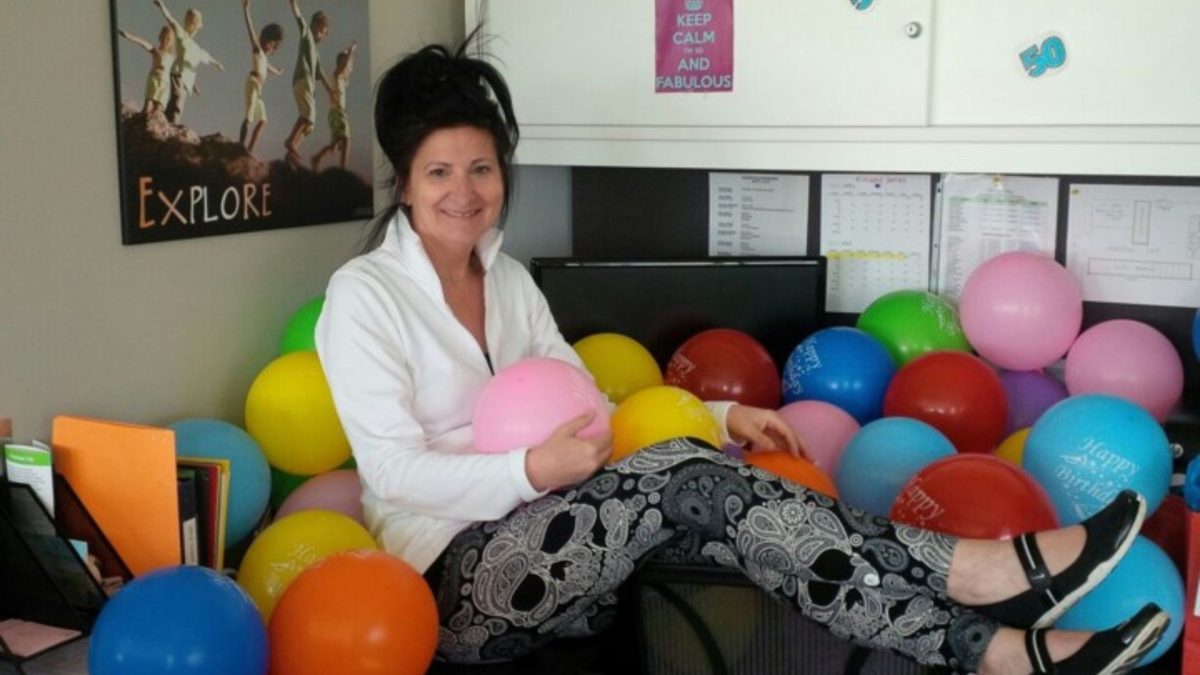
157	332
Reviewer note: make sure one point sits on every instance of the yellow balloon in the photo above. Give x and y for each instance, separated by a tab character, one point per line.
290	412
291	545
1013	447
656	414
620	364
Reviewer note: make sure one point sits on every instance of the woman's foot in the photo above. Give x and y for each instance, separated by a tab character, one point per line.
984	571
1033	580
1006	653
1111	652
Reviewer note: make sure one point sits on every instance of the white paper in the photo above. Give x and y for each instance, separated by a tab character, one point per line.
1135	244
757	214
981	216
875	232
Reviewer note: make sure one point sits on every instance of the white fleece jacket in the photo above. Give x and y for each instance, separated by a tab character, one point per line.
405	373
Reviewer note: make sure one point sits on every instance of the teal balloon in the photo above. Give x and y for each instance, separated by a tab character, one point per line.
300	333
249	473
882	457
1145	574
1085	449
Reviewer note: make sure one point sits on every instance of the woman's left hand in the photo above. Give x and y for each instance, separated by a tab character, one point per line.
763	429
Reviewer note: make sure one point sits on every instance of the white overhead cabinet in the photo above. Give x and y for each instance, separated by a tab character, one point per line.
592	63
1024	86
1086	62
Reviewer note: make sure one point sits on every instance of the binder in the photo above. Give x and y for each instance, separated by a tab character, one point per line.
212	492
126	477
189	541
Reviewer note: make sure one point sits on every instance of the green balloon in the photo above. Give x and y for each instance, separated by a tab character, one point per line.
913	323
282	485
300	334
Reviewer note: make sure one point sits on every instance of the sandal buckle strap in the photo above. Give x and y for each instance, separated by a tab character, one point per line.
1040	579
1039	655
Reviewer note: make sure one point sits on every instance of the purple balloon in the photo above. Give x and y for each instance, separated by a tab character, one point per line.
1030	393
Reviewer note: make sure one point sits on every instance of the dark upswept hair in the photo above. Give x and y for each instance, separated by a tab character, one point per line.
271	32
432	89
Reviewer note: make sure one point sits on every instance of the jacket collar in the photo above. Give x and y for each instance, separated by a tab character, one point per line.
403	242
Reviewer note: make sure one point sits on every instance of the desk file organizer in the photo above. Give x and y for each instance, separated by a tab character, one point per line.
47	595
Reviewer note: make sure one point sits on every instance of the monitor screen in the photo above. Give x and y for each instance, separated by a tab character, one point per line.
779	301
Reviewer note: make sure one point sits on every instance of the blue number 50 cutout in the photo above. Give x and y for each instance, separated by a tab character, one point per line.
1036	60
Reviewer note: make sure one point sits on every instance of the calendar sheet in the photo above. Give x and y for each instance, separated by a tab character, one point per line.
875	231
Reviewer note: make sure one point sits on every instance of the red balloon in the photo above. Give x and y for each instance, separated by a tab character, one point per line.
954	392
977	496
723	364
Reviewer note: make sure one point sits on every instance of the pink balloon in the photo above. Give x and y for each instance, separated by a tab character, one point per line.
338	490
824	428
1021	310
1128	359
525	402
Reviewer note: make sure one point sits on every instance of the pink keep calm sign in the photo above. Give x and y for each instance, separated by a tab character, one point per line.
693	46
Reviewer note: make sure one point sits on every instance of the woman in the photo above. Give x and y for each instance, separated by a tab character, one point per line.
530	545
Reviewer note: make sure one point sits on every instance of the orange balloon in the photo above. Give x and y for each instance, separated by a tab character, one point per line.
800	471
355	613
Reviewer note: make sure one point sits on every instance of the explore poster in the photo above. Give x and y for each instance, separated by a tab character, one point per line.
241	115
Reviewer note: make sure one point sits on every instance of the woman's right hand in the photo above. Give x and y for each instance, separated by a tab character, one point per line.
566	459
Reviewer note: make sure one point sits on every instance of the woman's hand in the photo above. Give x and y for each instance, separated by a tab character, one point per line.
763	429
566	459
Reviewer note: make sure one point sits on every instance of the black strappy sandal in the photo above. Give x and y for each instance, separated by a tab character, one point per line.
1115	651
1110	533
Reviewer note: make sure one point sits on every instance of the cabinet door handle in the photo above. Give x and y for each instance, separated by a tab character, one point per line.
912	29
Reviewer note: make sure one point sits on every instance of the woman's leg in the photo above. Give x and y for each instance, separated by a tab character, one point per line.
551	567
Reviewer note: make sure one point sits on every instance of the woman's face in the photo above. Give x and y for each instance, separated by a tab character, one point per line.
455	190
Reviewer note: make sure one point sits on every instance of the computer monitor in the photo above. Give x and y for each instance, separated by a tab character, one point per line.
661	303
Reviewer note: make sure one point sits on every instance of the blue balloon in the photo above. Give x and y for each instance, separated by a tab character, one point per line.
1191	484
882	457
1196	334
1086	449
1145	574
184	619
843	366
249	473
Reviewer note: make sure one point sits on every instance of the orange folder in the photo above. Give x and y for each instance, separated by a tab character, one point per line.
125	476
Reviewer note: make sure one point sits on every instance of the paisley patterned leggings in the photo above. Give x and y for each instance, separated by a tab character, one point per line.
551	567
